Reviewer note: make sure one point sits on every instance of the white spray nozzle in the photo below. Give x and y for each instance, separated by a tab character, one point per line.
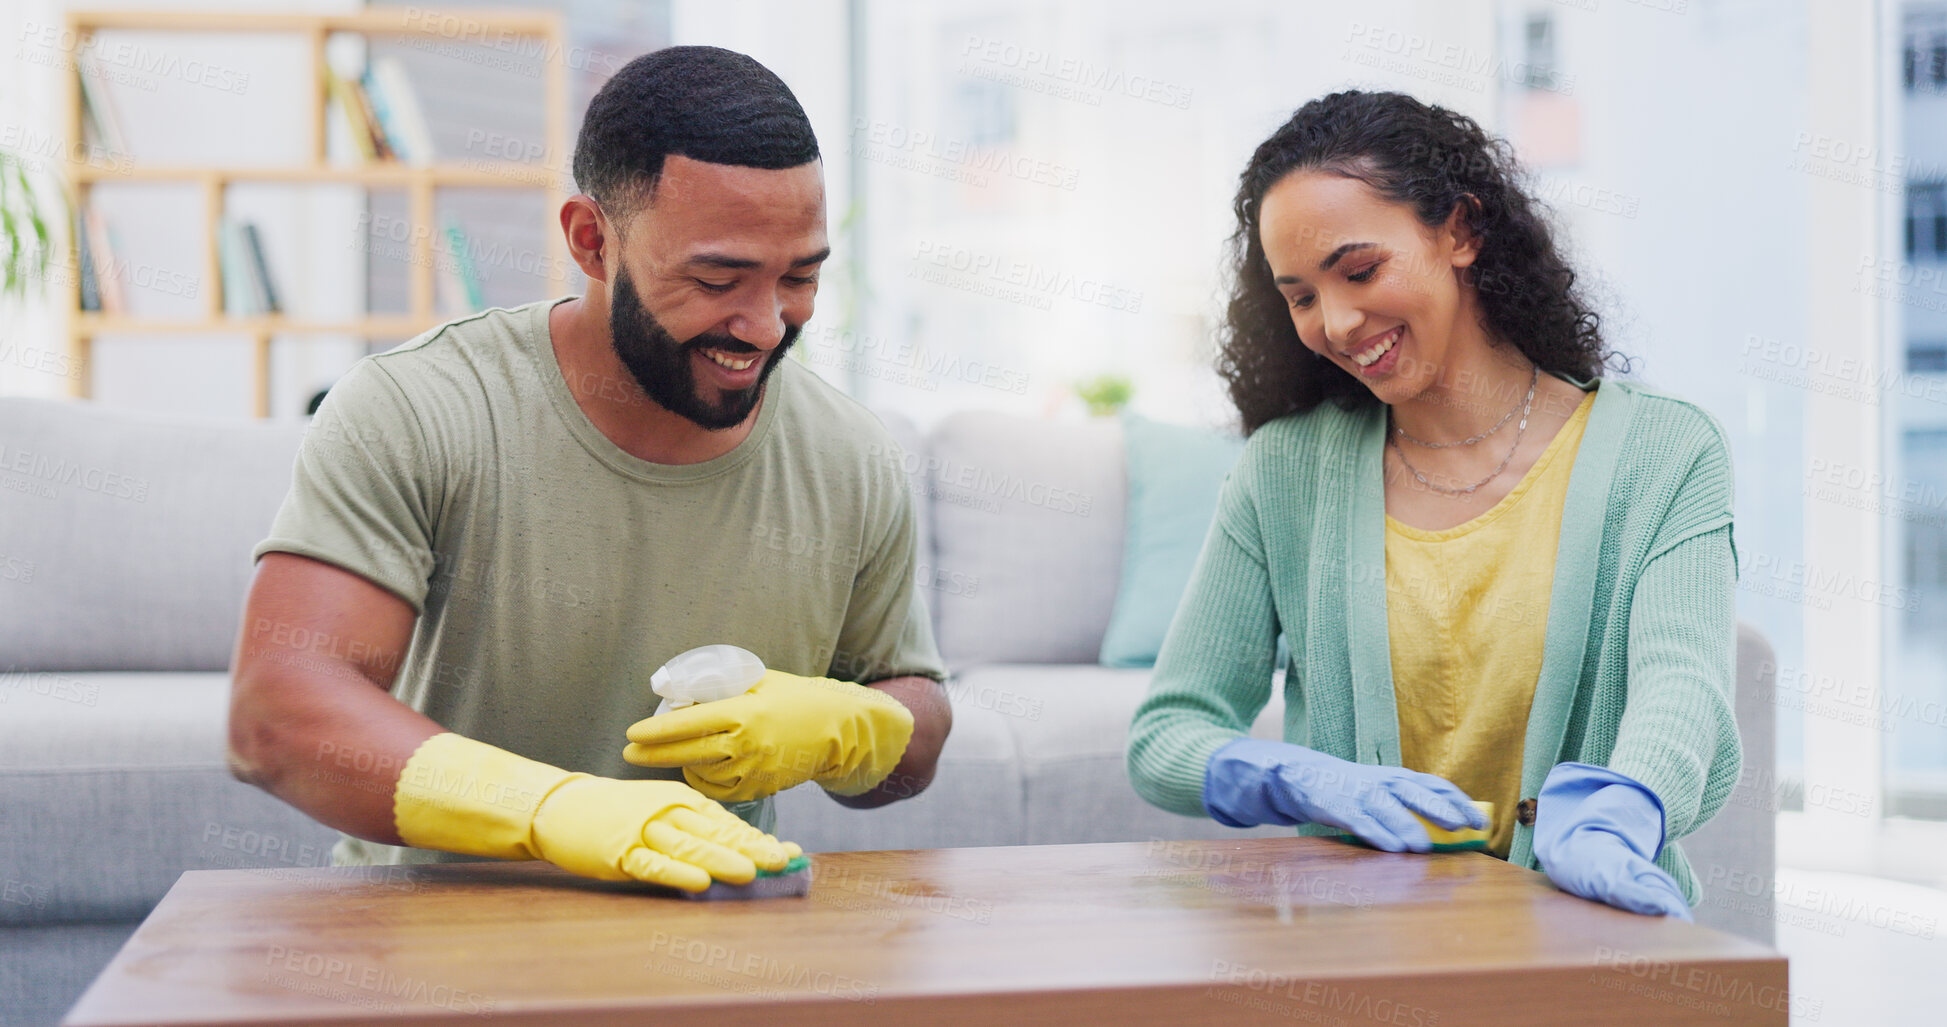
706	674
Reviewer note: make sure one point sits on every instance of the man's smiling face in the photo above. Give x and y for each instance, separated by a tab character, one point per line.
712	282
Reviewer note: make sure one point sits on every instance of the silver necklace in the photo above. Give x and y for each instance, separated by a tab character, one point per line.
1534	374
1519	431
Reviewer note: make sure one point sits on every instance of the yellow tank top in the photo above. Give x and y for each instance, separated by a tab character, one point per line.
1467	617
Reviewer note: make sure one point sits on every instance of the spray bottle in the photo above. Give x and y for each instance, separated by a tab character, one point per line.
706	674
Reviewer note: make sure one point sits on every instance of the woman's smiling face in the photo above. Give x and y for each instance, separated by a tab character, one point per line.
1369	287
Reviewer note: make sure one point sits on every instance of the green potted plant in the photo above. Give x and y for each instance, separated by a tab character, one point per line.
26	239
1105	394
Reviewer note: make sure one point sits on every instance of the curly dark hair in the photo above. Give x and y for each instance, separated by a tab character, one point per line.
1432	159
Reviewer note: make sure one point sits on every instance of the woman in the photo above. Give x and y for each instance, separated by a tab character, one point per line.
1501	576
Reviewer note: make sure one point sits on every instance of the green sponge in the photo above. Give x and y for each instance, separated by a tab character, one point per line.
1467	839
793	880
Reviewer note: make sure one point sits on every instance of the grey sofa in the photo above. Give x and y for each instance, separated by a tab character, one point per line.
124	542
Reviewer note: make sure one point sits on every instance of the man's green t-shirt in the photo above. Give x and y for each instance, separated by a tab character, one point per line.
553	572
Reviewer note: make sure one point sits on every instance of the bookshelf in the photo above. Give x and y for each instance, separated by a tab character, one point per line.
418	181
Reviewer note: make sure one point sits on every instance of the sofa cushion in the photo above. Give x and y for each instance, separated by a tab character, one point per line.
112	785
913	453
1027	515
1735	853
1174	475
44	970
129	534
1071	725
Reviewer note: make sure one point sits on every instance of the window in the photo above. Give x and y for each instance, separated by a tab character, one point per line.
1914	720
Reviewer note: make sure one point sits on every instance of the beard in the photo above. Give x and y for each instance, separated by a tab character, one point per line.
661	365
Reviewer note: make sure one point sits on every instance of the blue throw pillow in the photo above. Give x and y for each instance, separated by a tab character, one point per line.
1174	476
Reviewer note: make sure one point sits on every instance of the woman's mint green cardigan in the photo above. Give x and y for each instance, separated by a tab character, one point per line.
1637	669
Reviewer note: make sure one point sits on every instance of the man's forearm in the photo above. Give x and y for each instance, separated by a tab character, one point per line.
332	750
932	722
321	732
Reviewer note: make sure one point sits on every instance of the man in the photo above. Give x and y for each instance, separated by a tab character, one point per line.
497	532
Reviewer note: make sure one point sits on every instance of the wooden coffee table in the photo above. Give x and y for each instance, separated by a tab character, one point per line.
1256	931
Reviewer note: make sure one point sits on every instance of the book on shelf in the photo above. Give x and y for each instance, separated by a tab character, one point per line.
401	120
237	292
380	144
102	266
383	113
247	286
260	269
85	261
99	116
461	291
359	118
341	97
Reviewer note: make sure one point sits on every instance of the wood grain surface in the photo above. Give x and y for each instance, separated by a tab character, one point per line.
1255	931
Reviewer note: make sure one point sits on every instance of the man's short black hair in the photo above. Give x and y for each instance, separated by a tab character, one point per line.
701	102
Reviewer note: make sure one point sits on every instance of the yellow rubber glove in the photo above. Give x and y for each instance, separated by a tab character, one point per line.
459	795
783	732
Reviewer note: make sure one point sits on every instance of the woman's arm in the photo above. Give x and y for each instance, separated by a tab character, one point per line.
1213	675
1678	734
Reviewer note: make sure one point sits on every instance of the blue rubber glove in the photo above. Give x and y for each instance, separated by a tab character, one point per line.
1596	835
1251	781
